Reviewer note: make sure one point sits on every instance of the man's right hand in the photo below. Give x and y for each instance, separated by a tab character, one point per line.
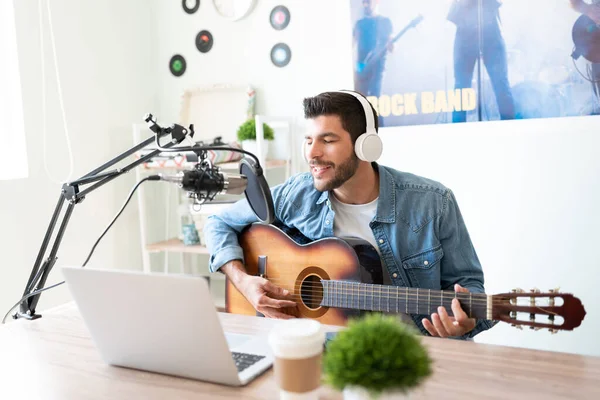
266	298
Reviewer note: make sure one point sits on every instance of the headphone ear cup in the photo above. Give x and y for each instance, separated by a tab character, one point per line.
368	147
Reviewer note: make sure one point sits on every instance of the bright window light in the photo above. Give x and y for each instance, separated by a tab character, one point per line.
13	152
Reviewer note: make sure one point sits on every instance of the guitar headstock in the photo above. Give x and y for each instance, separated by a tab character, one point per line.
553	310
416	21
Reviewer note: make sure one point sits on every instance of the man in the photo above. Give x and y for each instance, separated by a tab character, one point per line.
469	26
592	10
371	39
405	218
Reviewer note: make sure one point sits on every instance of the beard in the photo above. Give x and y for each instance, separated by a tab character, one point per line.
343	172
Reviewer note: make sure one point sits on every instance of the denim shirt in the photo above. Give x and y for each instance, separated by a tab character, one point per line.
421	235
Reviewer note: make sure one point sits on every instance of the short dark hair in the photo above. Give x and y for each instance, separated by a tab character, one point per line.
345	106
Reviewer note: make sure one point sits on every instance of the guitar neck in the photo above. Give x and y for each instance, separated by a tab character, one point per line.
395	299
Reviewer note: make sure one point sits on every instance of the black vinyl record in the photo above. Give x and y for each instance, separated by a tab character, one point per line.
280	17
281	54
192	9
204	41
177	65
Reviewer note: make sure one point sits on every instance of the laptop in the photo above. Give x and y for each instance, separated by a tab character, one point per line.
163	323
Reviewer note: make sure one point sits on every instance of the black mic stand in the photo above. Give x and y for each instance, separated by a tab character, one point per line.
72	193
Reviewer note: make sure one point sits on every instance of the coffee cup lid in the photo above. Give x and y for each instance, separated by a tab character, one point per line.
297	338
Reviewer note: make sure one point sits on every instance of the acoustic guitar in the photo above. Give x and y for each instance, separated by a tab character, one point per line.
324	278
586	38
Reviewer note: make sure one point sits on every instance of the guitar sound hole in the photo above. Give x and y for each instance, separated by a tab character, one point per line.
311	292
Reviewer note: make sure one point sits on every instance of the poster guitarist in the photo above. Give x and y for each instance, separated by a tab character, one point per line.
371	34
591	9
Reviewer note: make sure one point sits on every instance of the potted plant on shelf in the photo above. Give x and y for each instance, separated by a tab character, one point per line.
376	357
246	135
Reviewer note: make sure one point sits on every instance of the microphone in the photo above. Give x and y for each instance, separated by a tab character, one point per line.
205	182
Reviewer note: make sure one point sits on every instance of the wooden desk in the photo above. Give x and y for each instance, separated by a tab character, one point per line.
55	358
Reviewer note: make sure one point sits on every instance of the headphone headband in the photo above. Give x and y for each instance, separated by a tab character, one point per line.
367	108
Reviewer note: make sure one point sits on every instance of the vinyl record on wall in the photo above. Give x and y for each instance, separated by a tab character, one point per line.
280	17
190	6
177	65
281	54
204	41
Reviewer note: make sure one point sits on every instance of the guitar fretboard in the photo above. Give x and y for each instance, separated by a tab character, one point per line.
395	299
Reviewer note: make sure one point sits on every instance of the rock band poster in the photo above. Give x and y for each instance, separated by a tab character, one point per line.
418	61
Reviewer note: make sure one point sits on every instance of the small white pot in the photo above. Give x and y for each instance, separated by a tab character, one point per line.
252	147
359	393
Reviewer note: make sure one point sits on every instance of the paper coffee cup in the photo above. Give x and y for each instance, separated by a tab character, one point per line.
297	345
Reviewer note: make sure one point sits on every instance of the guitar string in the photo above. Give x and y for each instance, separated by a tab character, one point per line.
394	292
381	288
539	295
478	298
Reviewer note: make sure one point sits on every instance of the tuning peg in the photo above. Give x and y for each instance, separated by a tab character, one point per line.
517	290
553	331
519	327
535	290
535	328
555	290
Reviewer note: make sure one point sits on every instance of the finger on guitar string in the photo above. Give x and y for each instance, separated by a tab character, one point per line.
266	301
276	290
447	321
439	326
460	289
460	316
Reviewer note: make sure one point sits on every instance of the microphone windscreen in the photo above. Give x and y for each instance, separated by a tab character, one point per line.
258	192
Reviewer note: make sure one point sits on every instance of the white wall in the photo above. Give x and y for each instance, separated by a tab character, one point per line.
527	189
107	70
241	53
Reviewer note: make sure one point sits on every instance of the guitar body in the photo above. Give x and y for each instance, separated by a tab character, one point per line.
297	268
586	37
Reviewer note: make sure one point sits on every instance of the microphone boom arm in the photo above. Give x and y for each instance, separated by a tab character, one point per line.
71	193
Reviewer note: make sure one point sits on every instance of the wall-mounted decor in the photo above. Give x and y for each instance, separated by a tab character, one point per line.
281	54
177	65
474	60
204	41
217	110
234	10
279	17
190	6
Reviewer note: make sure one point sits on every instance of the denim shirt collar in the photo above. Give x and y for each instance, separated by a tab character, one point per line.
386	205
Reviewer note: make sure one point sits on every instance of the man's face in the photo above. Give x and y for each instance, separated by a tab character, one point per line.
368	6
330	152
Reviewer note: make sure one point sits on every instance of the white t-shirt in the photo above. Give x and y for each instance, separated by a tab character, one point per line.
352	220
351	223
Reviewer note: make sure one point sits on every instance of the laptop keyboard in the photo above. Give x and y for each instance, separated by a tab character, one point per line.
244	360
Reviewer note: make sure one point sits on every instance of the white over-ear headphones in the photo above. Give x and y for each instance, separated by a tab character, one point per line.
368	146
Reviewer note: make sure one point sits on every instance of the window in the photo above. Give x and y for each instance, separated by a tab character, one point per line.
13	153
